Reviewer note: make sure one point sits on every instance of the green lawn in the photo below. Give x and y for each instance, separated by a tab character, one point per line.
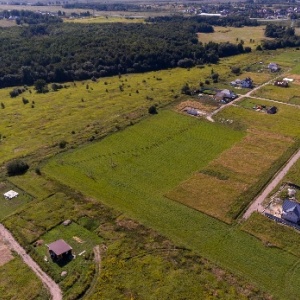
132	170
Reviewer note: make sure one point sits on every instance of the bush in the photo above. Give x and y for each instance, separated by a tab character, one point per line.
62	144
17	167
152	110
236	70
38	171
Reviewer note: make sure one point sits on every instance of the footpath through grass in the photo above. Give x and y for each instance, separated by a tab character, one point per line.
133	169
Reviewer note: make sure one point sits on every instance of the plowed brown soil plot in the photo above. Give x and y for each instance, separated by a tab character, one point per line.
216	189
5	253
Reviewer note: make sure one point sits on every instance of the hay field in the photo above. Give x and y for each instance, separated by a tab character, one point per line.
235	35
216	189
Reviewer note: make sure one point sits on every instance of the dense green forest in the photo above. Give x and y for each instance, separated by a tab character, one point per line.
58	52
283	37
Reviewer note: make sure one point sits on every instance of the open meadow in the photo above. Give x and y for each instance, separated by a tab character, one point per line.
133	169
83	111
290	94
121	164
252	36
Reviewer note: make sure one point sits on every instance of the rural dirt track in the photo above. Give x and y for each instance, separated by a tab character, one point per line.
256	204
209	117
53	288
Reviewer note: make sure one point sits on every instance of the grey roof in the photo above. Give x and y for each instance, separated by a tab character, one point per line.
291	206
59	247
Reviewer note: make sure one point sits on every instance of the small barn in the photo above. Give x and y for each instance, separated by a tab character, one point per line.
291	211
225	94
10	194
60	250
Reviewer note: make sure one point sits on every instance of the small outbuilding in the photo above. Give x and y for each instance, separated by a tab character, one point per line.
291	211
273	67
10	194
60	250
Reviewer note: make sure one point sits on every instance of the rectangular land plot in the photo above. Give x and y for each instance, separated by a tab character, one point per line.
216	188
146	159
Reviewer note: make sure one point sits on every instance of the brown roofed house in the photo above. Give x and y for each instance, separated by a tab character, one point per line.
59	250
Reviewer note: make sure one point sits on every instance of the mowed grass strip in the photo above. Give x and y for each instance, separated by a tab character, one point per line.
237	251
216	188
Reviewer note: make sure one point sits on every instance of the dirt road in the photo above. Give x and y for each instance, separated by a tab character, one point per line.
257	203
209	117
53	288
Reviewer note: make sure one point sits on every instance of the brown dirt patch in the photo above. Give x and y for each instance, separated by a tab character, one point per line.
196	105
5	253
295	77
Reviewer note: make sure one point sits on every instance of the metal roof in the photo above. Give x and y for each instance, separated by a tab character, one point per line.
59	247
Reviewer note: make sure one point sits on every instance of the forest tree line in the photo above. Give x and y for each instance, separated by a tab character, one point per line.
60	52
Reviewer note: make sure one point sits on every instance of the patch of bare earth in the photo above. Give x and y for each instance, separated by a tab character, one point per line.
5	253
196	105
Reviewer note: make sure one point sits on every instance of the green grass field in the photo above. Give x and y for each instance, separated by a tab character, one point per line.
235	35
17	281
280	123
134	169
133	178
88	110
288	95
